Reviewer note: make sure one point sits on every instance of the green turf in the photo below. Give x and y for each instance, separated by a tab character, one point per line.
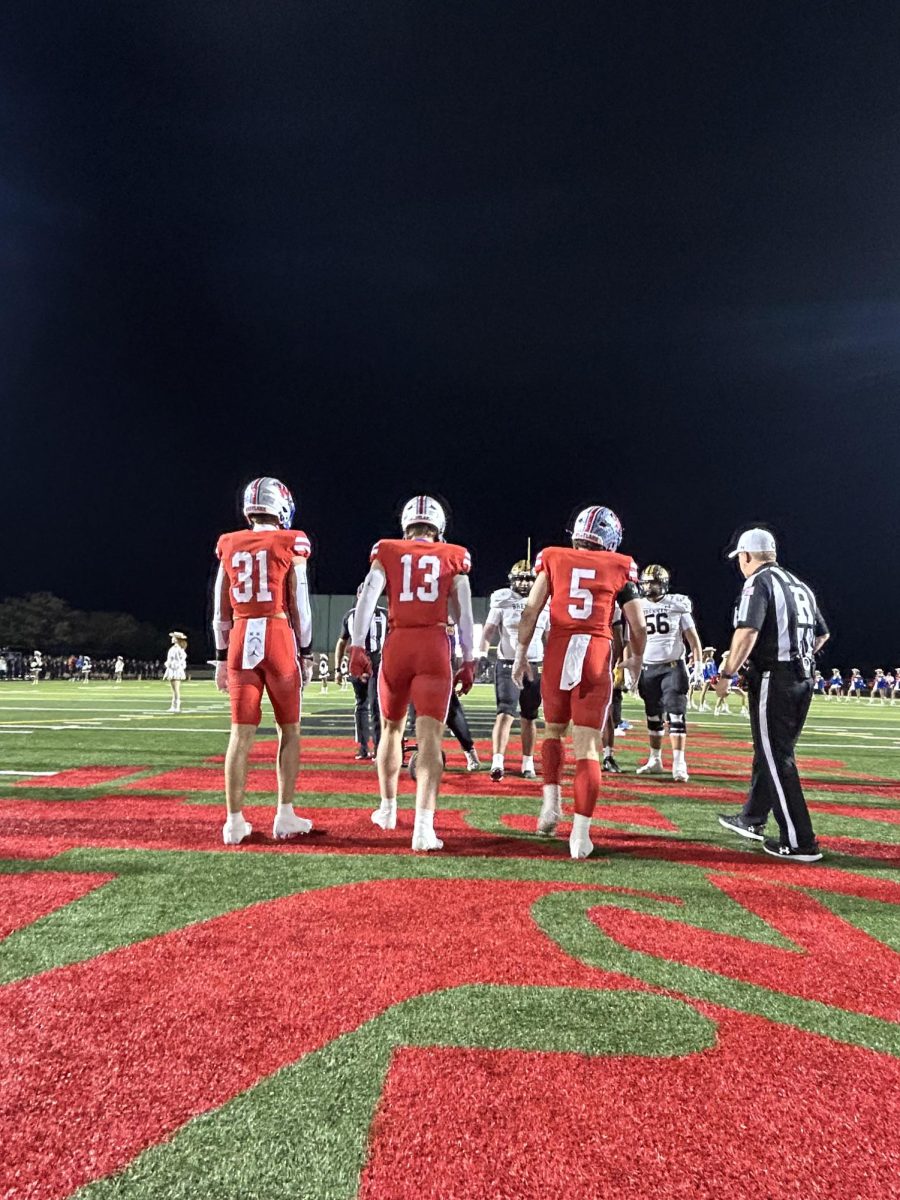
247	1148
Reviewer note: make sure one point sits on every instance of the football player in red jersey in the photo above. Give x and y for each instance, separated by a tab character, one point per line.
584	584
261	616
427	583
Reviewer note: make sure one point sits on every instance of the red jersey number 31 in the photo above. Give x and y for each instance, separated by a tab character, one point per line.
428	572
252	582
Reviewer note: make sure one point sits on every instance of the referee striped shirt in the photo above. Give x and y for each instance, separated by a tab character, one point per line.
784	611
377	629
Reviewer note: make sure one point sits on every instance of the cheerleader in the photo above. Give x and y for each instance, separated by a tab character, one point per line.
176	662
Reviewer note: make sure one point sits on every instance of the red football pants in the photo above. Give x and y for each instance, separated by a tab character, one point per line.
416	667
588	702
278	675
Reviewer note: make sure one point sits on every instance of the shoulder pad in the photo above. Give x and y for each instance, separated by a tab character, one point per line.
501	598
302	548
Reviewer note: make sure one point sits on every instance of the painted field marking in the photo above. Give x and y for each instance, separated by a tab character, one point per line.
43	774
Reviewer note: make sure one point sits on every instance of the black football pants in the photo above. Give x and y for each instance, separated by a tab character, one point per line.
366	713
779	702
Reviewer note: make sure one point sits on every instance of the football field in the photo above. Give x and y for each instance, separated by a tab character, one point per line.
679	1016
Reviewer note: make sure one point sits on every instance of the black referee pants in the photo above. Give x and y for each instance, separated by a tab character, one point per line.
366	713
779	701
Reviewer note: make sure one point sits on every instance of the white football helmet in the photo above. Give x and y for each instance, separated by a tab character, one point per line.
269	496
598	525
423	510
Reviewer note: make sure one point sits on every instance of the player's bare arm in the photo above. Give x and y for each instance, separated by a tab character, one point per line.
300	614
461	606
340	647
488	634
742	643
693	642
820	642
222	625
373	585
534	606
633	659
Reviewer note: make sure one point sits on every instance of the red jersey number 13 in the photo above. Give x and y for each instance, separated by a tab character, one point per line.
428	569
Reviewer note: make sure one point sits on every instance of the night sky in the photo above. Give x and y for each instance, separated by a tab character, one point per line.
526	255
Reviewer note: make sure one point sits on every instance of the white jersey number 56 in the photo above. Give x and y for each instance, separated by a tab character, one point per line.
581	611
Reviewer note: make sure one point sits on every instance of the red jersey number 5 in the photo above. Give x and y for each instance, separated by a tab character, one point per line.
428	569
581	611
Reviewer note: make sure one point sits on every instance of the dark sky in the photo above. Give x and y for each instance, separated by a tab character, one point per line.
526	255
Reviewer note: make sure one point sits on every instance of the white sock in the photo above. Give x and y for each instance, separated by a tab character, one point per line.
527	762
607	752
551	794
581	827
497	761
388	805
236	818
424	822
655	756
286	810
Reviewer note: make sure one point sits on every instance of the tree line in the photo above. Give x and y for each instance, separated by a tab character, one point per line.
44	622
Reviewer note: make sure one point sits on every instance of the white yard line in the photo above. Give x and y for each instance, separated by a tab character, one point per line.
114	729
29	773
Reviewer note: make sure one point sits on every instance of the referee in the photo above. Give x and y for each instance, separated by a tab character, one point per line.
777	630
366	713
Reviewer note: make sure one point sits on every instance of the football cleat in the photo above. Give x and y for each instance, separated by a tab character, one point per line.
654	581
233	835
580	847
653	766
611	767
521	577
680	775
289	825
548	819
426	839
527	773
472	760
497	774
385	816
599	526
424	510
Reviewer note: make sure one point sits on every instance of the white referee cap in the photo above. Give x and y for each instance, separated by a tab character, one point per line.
753	541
